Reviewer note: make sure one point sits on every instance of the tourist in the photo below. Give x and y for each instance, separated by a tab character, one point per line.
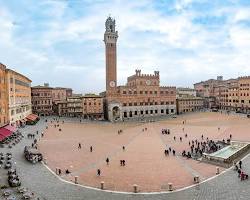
107	161
121	162
240	164
174	138
91	149
239	172
230	136
67	171
79	146
174	152
59	171
123	148
189	143
169	149
202	136
98	172
186	135
181	139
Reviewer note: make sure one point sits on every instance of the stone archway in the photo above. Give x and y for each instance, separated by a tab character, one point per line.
116	113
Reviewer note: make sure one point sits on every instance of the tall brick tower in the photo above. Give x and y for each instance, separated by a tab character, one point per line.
110	39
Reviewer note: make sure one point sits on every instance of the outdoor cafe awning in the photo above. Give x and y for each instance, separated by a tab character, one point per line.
4	133
10	128
31	117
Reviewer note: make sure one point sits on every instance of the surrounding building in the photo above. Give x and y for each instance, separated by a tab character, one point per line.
186	92
61	108
74	106
3	96
60	94
231	94
186	101
19	97
189	104
92	106
42	100
141	97
59	99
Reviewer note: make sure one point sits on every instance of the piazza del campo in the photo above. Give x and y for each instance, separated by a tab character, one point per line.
139	140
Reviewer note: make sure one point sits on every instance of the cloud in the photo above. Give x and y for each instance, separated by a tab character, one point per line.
186	40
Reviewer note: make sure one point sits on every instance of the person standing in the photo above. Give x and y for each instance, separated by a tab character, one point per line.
107	161
79	146
240	164
98	172
91	149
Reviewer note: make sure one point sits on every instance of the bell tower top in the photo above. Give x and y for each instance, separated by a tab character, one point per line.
110	25
110	35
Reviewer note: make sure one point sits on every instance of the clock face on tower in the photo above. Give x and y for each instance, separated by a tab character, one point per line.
148	82
112	83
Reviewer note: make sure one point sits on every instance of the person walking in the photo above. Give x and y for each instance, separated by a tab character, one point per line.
91	149
107	161
98	172
79	146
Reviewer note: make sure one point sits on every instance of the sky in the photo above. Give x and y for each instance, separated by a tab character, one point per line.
61	41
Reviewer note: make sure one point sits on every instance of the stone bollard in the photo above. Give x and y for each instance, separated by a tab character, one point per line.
217	170
76	179
135	187
170	186
102	185
196	179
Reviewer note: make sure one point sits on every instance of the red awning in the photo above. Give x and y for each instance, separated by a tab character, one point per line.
31	117
10	128
34	115
5	132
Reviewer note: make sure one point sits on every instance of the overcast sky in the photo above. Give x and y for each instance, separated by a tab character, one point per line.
61	41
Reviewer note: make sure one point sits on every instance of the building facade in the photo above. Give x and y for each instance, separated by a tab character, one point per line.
231	94
42	100
59	97
189	104
19	97
60	94
74	106
186	92
92	106
61	108
4	119
141	97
